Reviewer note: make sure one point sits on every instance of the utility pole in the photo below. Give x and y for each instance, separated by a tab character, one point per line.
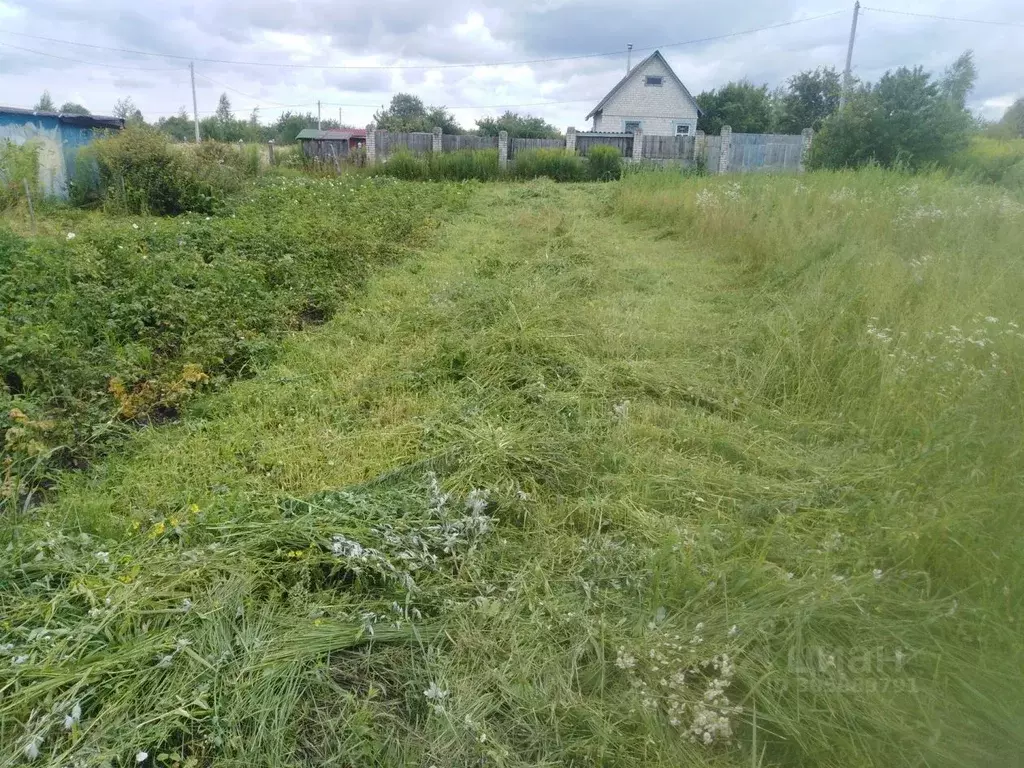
319	125
847	75
629	57
195	108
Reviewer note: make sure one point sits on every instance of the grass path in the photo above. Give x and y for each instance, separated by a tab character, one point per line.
657	560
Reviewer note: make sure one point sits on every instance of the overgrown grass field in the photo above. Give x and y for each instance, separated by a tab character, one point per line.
668	471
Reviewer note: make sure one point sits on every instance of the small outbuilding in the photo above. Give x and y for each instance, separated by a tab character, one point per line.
327	145
58	136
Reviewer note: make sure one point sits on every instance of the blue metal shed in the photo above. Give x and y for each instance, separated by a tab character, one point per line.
59	137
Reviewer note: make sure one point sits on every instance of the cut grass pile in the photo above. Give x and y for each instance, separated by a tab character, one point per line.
669	472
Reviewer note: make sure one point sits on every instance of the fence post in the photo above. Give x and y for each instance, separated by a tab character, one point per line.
270	152
570	140
503	149
700	148
805	146
436	145
371	143
723	157
638	145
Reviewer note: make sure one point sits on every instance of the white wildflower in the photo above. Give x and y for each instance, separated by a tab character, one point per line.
18	660
733	631
186	605
141	757
435	693
135	226
476	501
625	660
877	573
6	647
73	717
71	235
621	410
31	748
103	557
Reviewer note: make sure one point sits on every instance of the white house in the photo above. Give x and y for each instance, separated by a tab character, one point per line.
650	98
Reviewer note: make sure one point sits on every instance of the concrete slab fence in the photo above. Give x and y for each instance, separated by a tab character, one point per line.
726	153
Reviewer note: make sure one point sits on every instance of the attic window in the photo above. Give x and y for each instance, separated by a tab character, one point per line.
656	80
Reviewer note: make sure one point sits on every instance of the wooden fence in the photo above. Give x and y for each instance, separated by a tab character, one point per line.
515	146
621	141
389	143
765	152
453	143
669	148
729	152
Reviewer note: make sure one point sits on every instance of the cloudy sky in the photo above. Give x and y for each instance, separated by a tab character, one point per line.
281	54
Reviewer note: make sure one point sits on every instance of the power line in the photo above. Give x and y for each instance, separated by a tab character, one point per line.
247	95
90	63
694	41
945	18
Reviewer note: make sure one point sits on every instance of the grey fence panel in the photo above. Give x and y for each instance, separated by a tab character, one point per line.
520	145
453	143
668	148
417	143
622	141
764	152
712	153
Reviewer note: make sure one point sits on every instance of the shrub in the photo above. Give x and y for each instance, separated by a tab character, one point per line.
604	163
140	172
18	164
404	165
463	165
556	164
905	120
993	161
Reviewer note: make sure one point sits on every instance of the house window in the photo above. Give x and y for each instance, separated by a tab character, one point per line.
683	130
653	80
631	126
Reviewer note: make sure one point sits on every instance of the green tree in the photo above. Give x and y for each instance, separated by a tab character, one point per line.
223	112
906	119
407	114
518	126
959	78
72	108
809	98
125	109
45	103
179	127
1012	121
746	107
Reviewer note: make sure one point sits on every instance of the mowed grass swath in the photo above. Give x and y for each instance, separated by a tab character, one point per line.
668	471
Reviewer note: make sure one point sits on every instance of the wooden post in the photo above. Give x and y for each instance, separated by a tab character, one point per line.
270	152
31	210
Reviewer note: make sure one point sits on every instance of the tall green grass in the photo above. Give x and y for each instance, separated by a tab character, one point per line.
709	504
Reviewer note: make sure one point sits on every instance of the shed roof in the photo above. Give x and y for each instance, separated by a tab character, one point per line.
335	134
634	71
82	121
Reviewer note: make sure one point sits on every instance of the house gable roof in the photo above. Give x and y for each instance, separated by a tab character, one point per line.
635	71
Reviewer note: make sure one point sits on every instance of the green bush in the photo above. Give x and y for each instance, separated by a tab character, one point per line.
464	165
18	164
141	172
556	164
405	165
992	161
604	163
904	121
